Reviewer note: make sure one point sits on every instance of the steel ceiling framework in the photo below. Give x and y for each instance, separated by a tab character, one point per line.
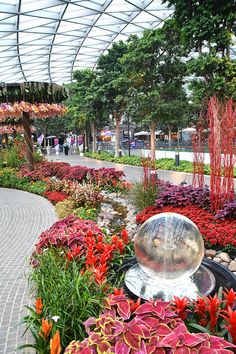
46	40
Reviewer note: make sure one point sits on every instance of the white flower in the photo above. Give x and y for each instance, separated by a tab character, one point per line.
55	318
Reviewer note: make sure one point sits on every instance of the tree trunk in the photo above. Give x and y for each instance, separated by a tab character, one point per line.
28	140
117	143
93	131
169	134
153	141
86	148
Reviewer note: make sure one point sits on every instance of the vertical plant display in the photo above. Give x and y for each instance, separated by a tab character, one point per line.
24	102
228	124
198	142
221	120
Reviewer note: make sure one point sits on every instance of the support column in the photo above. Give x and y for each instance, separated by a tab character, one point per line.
28	140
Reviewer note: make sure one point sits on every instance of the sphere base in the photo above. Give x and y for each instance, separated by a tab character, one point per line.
141	285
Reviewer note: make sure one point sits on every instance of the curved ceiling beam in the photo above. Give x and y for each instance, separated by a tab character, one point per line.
103	9
18	40
53	39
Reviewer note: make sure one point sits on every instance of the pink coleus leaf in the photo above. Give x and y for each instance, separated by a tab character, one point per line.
122	347
163	330
103	347
142	349
86	351
132	341
205	350
138	329
151	322
88	323
181	337
156	307
215	342
94	338
183	350
123	309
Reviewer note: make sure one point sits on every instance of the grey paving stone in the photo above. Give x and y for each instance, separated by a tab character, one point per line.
132	173
23	216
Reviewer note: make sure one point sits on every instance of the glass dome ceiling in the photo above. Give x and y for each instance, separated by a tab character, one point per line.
46	40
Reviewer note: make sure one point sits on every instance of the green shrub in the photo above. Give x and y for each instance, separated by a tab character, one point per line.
66	293
10	157
87	214
38	157
9	179
142	196
65	208
162	164
38	187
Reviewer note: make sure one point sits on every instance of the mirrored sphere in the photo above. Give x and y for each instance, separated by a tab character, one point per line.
169	246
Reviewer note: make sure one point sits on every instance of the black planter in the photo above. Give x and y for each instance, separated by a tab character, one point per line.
224	277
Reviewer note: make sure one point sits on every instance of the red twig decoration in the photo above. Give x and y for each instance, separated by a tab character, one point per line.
221	119
198	141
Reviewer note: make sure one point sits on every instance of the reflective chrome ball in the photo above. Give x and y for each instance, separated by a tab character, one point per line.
169	246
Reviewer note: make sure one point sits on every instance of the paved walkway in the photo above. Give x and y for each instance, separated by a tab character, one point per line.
23	216
132	173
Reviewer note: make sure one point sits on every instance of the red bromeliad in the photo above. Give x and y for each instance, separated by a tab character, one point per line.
180	306
230	297
213	307
230	317
199	307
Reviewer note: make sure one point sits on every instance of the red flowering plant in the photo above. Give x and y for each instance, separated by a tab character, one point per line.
55	197
209	314
149	328
215	232
83	241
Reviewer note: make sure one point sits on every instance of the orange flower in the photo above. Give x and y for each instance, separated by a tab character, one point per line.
38	305
46	328
55	347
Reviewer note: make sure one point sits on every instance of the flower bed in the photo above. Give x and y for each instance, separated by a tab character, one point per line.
125	326
214	231
72	269
105	177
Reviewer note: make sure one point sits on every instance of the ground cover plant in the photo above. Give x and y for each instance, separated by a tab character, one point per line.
72	267
10	179
125	326
104	177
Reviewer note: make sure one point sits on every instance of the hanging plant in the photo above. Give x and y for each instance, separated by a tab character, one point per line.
32	92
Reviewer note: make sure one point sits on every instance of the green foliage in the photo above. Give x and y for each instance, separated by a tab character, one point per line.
85	102
9	179
37	157
207	27
156	71
162	164
65	208
219	74
68	206
66	293
142	195
11	157
86	214
38	187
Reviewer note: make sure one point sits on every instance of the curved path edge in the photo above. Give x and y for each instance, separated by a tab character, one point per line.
23	216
